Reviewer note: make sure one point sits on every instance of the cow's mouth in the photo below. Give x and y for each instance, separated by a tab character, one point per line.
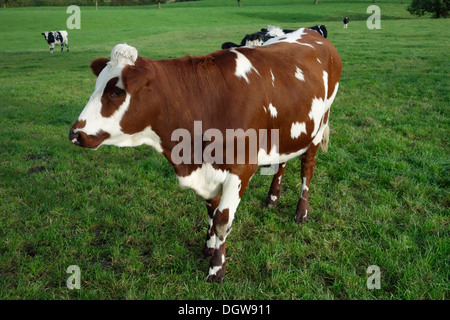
84	140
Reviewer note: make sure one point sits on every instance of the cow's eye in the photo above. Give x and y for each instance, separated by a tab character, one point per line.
117	93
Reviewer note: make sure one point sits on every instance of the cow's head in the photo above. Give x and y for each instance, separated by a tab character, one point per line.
113	114
49	37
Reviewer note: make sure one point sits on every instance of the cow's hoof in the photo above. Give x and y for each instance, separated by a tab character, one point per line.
269	202
214	278
301	218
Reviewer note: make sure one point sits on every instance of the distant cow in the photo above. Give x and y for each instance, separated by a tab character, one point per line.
219	116
346	21
258	38
56	37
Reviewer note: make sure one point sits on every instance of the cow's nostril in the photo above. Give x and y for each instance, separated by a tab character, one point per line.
74	137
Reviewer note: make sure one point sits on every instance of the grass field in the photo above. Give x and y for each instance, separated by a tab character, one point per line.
380	196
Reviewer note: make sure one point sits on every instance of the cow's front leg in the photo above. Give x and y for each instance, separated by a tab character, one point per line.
275	188
232	190
211	206
307	171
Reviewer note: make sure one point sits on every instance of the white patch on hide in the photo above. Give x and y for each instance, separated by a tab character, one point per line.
297	129
273	78
273	111
205	180
243	66
319	107
299	74
318	138
276	158
289	37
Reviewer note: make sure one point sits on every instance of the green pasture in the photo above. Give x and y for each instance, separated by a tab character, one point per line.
380	196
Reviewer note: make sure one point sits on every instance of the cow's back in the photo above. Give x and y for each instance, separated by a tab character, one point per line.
285	86
268	87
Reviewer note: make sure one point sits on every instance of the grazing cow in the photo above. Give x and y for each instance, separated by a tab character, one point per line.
346	21
258	38
56	37
230	111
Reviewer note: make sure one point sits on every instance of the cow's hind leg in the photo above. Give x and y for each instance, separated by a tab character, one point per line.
67	47
211	206
275	188
62	46
307	172
232	190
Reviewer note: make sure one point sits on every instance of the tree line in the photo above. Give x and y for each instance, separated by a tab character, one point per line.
38	3
437	8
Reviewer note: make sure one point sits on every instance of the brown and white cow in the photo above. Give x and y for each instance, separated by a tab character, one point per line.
286	86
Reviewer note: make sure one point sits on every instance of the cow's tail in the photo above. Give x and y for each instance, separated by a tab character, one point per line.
325	139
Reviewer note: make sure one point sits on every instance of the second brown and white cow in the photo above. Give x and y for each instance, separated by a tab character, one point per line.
217	117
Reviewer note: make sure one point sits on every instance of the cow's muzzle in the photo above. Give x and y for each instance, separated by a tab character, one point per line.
75	137
84	140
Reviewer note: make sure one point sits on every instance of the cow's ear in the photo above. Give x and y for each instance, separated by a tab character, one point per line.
137	76
98	65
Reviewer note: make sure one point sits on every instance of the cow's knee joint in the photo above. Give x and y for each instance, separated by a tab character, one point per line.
222	231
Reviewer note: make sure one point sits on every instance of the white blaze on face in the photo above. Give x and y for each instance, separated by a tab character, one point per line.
243	66
92	111
121	56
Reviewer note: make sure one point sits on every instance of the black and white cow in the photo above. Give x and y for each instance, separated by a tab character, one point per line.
258	38
346	21
56	37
